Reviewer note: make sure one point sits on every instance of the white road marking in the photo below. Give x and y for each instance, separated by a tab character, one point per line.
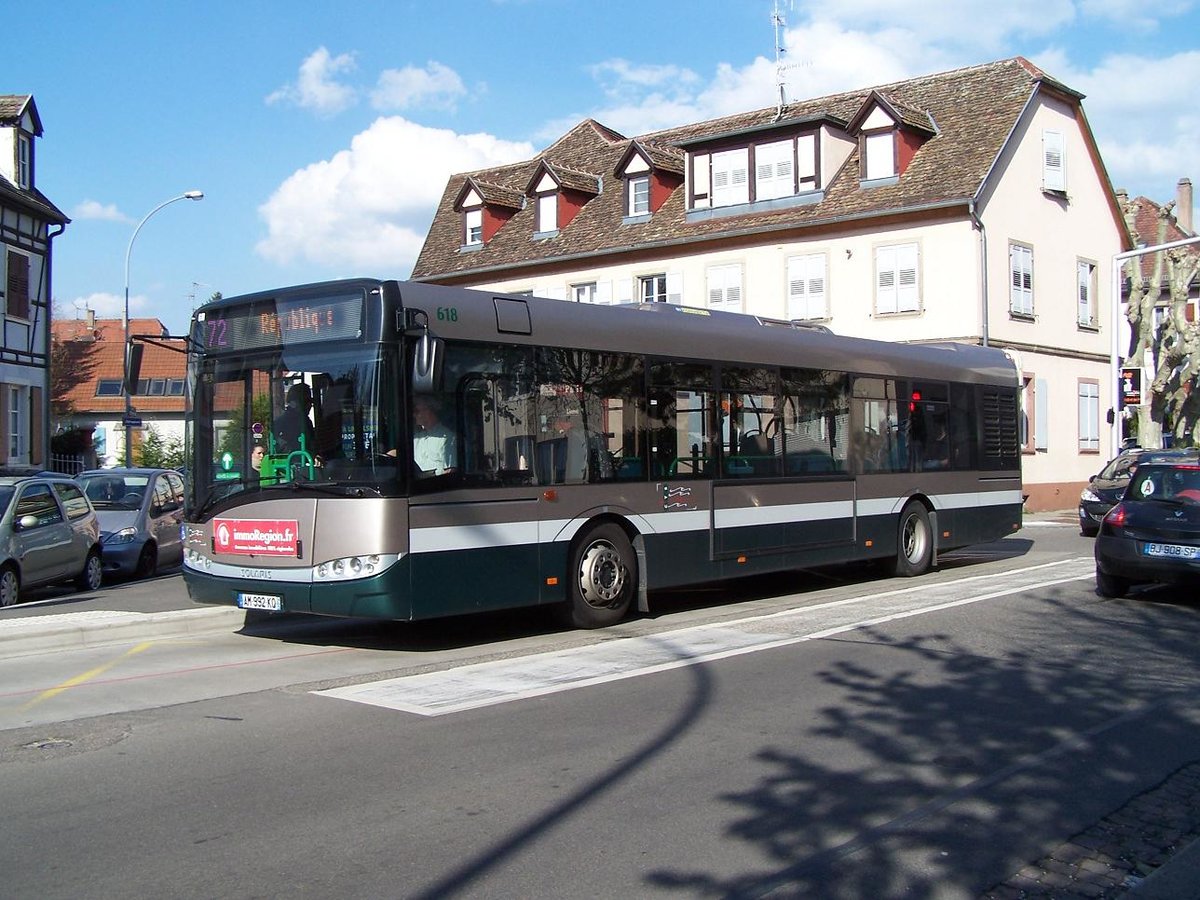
503	681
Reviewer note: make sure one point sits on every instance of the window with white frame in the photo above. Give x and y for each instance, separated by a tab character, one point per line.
17	424
652	288
1089	416
806	287
879	151
1086	278
473	226
897	285
1054	161
584	293
639	196
725	287
730	177
547	212
1020	266
774	170
24	162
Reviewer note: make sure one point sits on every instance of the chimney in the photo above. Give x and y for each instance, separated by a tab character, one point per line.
91	320
1183	205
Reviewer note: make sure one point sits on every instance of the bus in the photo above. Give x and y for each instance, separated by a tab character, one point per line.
590	454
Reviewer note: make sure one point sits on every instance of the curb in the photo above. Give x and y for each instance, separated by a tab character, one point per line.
100	628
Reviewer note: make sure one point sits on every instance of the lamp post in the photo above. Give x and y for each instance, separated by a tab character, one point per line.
188	195
1114	362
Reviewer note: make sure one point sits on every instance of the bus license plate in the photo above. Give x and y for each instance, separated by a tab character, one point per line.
260	601
1173	551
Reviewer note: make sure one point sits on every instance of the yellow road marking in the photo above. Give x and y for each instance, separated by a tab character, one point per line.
86	676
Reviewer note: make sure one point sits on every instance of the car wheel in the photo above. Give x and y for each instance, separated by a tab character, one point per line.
10	586
147	563
1110	585
93	573
603	579
914	542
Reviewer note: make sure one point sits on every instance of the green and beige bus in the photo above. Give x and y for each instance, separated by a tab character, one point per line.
590	454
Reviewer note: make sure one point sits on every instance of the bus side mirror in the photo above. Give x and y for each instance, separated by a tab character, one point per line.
133	366
428	353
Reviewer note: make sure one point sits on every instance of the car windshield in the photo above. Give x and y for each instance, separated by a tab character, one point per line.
1118	467
113	491
1178	484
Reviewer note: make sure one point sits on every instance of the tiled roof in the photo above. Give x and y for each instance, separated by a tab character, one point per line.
495	194
1151	228
13	106
98	353
973	110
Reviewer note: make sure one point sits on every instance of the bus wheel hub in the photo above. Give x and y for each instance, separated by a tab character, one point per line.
601	575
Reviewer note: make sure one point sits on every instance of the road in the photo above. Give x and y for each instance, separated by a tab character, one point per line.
822	734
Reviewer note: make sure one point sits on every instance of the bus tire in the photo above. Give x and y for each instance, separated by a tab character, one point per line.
914	542
603	579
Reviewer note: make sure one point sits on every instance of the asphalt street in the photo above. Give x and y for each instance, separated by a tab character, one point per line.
301	648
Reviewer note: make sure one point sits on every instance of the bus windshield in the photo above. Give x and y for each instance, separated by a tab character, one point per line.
293	418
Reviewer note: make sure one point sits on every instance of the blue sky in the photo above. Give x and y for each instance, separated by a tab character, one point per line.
322	134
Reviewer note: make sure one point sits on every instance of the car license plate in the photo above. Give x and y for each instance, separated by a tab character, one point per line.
1173	551
260	601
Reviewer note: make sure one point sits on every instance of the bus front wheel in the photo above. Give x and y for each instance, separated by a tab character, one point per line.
603	580
914	542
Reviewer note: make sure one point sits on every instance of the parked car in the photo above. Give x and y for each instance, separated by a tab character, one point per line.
1107	486
140	511
48	533
1153	533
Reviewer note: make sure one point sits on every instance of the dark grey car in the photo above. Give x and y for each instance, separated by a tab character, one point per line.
48	533
140	510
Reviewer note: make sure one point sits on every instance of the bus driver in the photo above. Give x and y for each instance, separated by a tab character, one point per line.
434	445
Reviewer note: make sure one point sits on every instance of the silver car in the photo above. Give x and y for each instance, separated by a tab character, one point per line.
48	533
140	510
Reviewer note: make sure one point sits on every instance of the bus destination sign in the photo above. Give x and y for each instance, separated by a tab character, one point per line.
280	323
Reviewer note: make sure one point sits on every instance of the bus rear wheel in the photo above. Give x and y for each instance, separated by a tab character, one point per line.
603	580
914	542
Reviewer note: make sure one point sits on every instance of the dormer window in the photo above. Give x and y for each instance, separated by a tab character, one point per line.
879	154
638	195
24	162
484	208
889	135
780	167
547	212
473	226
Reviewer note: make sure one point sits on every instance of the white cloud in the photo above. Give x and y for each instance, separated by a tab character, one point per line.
93	209
105	305
369	207
317	88
435	86
1146	124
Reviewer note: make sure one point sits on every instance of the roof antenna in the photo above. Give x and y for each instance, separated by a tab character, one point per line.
780	23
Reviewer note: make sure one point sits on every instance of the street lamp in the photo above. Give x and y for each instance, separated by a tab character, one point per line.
1114	361
189	195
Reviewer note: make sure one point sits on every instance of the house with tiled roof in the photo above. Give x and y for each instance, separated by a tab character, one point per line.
29	222
969	206
1155	223
93	350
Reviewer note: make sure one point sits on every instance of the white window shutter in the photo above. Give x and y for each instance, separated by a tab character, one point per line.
773	170
806	287
604	293
885	280
558	292
1087	315
1021	279
675	288
730	177
908	289
1041	417
1054	161
623	291
881	155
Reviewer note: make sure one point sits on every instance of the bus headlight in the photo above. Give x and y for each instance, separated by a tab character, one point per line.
348	567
